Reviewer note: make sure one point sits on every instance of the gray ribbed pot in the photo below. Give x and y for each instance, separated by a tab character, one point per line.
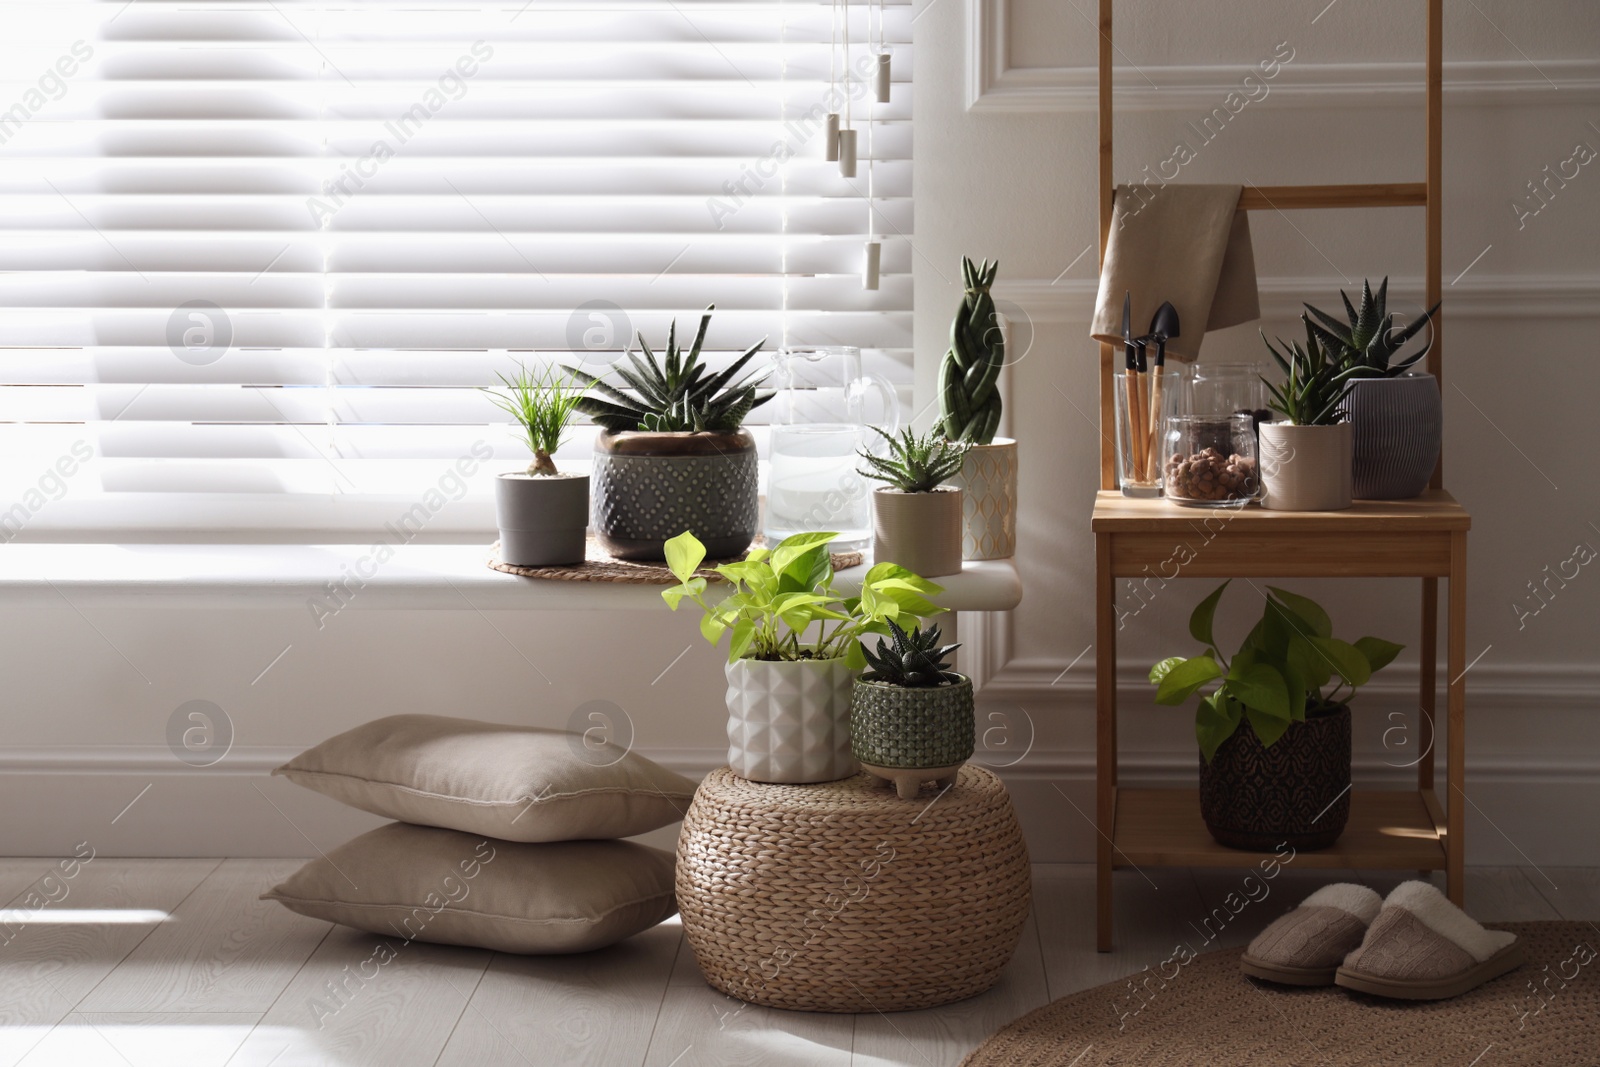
1397	426
649	487
542	518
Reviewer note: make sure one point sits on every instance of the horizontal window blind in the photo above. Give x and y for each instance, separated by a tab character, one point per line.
257	257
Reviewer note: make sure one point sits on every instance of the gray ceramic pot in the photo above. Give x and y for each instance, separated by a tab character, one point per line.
920	531
542	519
1397	425
649	487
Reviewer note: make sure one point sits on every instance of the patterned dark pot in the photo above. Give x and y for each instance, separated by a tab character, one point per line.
1296	792
648	487
1397	425
892	726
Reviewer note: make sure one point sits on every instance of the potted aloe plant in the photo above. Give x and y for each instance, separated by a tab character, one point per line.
1305	458
542	512
1274	733
794	648
969	413
1396	417
916	519
911	715
671	455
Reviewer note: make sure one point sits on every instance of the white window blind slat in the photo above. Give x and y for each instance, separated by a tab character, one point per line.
387	202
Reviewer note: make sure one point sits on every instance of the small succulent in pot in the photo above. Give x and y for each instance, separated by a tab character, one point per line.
911	716
1306	459
1396	414
672	455
916	519
969	412
542	512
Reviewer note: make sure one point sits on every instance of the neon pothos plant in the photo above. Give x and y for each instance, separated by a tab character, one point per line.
784	605
1281	673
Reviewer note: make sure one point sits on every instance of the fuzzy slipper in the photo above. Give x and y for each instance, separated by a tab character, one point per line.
1305	946
1422	947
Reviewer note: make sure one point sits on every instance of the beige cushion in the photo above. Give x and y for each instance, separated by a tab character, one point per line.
424	884
516	783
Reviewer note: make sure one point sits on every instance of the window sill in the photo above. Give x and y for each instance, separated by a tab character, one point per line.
417	576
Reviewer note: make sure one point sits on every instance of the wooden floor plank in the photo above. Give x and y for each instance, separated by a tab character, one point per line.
1153	912
225	950
1572	891
594	1008
941	1037
363	1000
143	1039
17	875
54	955
1503	895
699	1027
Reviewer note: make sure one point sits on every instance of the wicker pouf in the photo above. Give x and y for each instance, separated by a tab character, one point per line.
843	897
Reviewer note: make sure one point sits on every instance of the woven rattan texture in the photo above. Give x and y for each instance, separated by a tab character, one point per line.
841	897
600	567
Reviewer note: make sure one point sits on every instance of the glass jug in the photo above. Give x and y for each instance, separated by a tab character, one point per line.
821	416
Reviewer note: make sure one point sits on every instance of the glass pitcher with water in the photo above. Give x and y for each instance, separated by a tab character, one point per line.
820	418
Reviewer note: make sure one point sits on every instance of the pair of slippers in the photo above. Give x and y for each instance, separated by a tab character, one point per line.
1414	945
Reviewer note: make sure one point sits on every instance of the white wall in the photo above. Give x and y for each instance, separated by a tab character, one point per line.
94	680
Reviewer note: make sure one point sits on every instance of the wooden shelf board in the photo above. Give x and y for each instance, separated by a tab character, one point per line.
1288	197
1387	830
1435	511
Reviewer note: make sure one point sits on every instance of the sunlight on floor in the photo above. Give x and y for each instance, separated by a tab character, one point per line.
82	916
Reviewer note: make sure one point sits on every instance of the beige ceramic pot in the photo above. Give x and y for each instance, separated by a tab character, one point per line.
919	531
1306	468
988	482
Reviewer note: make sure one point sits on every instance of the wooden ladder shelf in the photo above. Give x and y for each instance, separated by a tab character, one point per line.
1424	538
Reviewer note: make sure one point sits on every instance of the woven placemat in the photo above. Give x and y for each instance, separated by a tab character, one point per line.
1547	1012
598	566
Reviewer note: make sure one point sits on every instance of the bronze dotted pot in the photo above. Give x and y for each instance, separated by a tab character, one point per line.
648	487
1296	792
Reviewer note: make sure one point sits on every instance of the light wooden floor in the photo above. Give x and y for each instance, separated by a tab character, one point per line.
175	962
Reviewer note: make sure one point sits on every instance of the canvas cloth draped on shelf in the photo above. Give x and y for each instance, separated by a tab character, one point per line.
1187	244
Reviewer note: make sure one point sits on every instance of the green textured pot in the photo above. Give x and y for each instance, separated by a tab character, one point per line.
895	727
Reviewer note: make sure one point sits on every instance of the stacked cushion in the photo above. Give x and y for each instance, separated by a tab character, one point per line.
506	839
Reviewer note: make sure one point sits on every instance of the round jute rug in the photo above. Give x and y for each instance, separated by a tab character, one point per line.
1204	1011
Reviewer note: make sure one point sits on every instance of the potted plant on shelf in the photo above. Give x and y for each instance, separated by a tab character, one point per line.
794	649
910	715
1305	460
916	520
671	455
1396	417
969	412
1274	739
542	512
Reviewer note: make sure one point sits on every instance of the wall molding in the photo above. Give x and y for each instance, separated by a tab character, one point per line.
992	84
1477	296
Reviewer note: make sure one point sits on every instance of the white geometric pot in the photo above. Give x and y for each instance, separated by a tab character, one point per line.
988	481
1305	468
789	722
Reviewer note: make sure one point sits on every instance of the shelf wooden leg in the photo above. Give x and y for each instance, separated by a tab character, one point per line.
1105	702
1456	664
1428	698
